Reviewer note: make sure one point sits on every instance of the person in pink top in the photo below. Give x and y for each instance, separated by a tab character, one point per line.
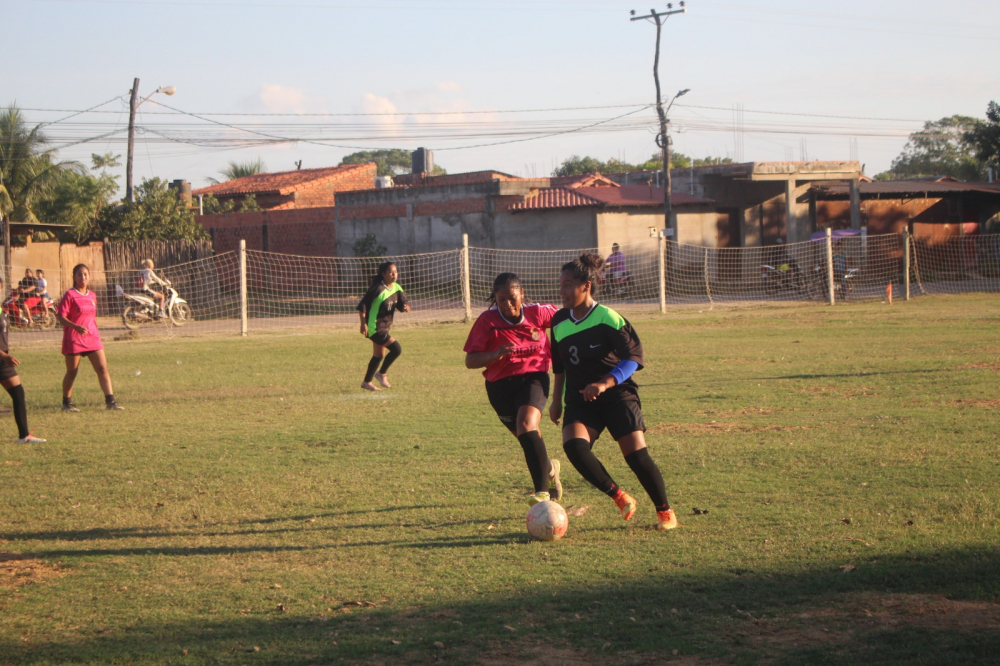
77	312
509	340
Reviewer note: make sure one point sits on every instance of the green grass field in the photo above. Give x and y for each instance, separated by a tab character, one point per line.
253	506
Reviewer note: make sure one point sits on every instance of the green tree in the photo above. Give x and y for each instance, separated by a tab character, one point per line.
388	162
28	172
941	148
211	205
234	170
368	246
80	199
985	138
156	214
577	166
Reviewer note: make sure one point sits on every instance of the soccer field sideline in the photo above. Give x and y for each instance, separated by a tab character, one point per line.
252	497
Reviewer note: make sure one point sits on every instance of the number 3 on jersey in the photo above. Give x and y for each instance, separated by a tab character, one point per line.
573	356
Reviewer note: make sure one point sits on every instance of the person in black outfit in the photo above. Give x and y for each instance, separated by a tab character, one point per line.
12	383
595	353
384	298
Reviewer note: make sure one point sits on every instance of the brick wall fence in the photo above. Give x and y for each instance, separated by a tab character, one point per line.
304	231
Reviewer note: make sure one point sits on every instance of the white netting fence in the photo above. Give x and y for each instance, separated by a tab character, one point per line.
287	290
236	292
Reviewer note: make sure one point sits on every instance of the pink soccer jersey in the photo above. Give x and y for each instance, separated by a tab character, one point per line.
531	344
80	309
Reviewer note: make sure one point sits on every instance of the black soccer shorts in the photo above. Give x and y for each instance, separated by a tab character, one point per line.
509	394
620	412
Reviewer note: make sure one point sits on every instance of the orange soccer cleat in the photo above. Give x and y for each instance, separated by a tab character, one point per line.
666	520
626	503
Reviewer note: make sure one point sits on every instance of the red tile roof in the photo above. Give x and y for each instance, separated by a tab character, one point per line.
282	182
626	196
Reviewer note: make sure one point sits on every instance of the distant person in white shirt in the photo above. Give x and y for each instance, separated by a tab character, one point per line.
149	279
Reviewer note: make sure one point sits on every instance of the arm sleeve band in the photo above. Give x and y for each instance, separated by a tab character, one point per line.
624	370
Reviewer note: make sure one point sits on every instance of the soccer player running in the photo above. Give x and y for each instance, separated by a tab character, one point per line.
12	383
596	353
376	309
509	340
77	312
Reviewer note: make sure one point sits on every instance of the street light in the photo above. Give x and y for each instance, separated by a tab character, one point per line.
133	104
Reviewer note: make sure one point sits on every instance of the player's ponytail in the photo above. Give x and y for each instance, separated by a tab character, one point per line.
504	280
585	269
381	271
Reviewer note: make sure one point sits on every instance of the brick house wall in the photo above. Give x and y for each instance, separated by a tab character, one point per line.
306	231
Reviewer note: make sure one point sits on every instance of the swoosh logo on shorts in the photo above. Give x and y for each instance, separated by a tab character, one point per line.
594	346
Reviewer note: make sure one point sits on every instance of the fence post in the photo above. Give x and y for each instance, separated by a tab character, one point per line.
829	263
243	287
906	262
708	284
661	242
466	287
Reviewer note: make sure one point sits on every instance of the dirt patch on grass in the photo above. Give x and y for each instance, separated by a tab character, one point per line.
846	622
990	403
546	655
18	570
995	367
715	427
856	392
749	411
13	463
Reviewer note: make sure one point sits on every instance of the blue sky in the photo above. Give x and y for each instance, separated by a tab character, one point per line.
824	72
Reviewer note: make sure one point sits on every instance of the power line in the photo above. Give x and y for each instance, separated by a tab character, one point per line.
347	115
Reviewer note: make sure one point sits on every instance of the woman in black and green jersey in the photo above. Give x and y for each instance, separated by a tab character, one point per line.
376	309
595	353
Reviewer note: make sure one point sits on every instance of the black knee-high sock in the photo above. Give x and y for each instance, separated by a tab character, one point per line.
20	410
537	459
649	476
372	367
590	468
394	351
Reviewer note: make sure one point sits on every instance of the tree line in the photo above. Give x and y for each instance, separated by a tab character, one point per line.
37	187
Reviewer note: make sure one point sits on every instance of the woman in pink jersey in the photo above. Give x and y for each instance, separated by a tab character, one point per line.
509	340
77	312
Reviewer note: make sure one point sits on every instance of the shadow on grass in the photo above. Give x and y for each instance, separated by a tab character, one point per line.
897	609
103	533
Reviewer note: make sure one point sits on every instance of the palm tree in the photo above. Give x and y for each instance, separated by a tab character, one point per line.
235	170
27	171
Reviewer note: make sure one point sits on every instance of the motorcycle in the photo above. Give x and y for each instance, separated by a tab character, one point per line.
43	311
141	309
843	284
619	284
778	278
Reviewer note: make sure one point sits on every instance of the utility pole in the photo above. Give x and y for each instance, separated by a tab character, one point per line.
133	104
663	139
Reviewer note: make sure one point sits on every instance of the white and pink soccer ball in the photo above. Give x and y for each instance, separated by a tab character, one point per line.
547	521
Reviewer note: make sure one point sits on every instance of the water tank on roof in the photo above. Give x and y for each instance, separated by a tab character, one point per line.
422	161
383	182
183	190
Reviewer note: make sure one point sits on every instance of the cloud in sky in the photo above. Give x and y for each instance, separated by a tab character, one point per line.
275	98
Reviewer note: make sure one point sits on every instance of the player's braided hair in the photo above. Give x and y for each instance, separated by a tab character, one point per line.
508	280
586	269
380	271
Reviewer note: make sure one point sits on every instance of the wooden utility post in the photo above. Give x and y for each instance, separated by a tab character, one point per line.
663	140
133	104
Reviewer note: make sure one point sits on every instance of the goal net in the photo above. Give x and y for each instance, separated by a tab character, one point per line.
272	291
